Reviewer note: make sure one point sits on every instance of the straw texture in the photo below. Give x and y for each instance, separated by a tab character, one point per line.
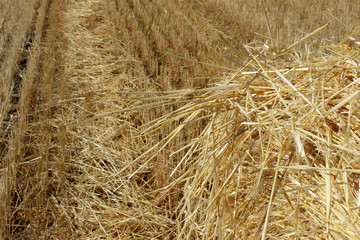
163	120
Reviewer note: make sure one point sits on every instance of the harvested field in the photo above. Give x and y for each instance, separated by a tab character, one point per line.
179	119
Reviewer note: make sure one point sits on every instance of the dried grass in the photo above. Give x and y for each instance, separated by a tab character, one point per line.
129	128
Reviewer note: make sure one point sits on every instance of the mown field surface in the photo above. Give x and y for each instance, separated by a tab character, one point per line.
179	119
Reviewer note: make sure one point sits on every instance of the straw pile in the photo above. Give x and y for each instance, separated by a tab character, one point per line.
132	129
278	156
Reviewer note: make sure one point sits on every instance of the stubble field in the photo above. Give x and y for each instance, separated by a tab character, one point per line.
179	119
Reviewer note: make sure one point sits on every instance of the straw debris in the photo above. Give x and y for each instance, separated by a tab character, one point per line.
284	147
132	119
